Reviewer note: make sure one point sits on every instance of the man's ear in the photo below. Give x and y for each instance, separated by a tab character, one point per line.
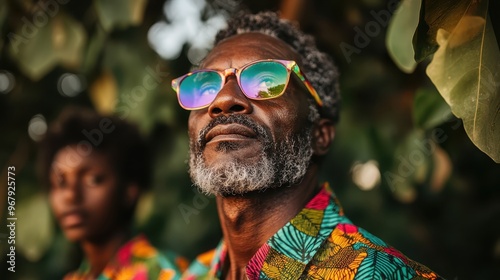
323	134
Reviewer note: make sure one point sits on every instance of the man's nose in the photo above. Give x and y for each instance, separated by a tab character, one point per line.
230	100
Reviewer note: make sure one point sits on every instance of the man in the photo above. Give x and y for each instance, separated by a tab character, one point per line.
258	132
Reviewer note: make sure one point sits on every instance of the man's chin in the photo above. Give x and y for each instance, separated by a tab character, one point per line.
228	146
231	155
227	176
232	192
249	147
244	193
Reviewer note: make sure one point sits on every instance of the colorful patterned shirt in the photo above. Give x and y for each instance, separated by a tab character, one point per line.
318	243
135	260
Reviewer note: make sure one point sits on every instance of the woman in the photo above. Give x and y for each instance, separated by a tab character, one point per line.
96	168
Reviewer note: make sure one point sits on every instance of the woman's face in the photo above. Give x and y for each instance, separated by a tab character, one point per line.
85	195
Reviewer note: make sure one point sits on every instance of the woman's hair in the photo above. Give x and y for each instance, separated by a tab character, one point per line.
317	66
88	131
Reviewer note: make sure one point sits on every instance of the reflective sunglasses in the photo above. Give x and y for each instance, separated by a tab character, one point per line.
258	80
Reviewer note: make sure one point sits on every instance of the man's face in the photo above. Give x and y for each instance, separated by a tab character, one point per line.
238	145
85	195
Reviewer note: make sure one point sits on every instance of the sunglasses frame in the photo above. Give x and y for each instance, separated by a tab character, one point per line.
290	65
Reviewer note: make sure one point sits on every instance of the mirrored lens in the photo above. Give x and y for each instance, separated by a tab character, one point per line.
265	79
199	89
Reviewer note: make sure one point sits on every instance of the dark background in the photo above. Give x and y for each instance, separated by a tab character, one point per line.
437	198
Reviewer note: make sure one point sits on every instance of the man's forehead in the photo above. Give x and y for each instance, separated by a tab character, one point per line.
240	49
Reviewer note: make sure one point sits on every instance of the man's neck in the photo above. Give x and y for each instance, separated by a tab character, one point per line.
248	221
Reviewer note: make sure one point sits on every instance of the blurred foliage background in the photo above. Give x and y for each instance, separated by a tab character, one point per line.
402	164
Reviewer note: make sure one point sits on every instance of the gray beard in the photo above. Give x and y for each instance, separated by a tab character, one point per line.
280	164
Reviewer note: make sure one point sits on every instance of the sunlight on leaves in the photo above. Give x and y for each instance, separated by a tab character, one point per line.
466	71
435	15
104	93
400	35
444	13
119	13
467	29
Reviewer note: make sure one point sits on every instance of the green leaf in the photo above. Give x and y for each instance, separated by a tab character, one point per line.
32	48
144	208
120	13
400	34
434	15
429	108
34	216
466	71
411	166
38	50
93	51
69	39
139	79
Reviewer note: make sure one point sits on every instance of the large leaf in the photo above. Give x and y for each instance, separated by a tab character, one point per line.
435	15
39	49
466	71
120	13
400	34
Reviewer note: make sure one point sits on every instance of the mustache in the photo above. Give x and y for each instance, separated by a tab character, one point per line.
259	130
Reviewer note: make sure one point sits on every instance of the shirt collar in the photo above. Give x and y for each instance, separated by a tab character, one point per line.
289	250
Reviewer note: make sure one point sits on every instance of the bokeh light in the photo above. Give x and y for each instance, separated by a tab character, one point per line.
7	81
37	127
366	175
184	25
71	85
